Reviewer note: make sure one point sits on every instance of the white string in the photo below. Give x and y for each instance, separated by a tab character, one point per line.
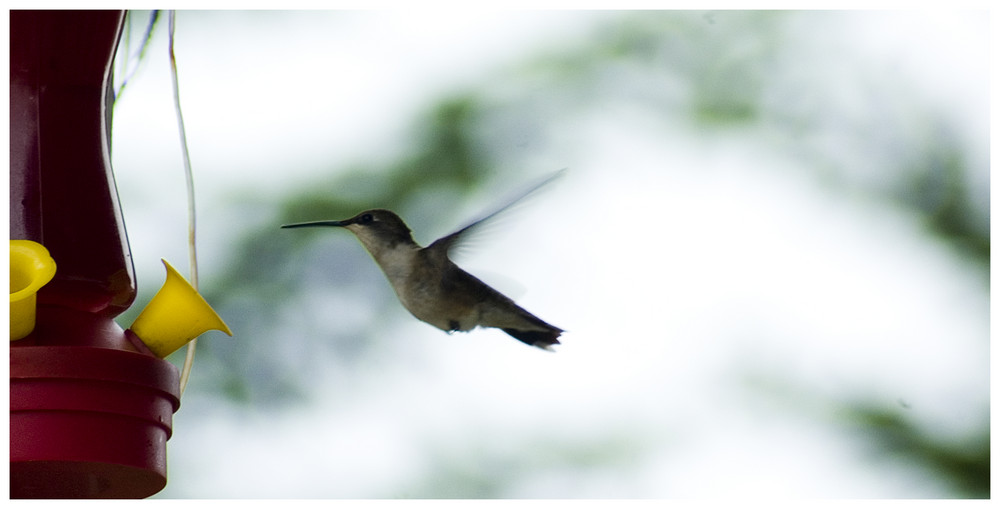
189	180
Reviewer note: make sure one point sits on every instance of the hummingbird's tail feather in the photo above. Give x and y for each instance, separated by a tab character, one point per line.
541	339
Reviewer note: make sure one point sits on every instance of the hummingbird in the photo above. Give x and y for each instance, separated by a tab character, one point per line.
435	290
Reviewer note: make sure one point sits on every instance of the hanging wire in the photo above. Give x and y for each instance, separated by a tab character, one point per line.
189	180
122	64
131	63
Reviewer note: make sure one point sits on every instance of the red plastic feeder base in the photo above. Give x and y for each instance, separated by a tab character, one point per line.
89	422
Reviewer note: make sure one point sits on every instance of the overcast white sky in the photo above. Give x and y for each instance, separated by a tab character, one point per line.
747	268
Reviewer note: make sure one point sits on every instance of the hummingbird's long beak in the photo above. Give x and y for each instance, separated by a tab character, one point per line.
316	223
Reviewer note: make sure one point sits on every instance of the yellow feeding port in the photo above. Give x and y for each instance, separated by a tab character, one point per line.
31	268
176	315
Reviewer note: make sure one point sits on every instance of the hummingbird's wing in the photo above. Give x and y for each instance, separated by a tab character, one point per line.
446	243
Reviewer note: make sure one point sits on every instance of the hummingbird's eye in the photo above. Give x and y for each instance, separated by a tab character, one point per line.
366	219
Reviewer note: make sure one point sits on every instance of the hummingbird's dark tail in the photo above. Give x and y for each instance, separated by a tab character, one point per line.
541	339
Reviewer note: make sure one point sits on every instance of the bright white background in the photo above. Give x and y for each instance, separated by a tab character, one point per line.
717	296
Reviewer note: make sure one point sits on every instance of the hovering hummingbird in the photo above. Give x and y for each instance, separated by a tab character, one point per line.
435	290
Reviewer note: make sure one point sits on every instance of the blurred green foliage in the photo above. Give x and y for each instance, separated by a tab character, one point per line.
708	71
889	434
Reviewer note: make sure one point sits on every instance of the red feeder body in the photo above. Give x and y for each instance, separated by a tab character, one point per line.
91	408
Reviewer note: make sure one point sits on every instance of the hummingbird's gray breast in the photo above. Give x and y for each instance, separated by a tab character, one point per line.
429	293
419	283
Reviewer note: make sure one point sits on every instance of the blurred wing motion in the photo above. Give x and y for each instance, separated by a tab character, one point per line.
452	240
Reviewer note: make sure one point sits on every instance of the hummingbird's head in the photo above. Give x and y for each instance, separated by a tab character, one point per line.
377	229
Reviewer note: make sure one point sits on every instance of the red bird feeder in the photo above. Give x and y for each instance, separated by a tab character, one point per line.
91	404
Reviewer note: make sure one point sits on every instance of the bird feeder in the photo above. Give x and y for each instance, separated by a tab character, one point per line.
91	405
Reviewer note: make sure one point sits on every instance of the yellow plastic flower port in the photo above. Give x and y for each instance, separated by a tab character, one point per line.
176	315
31	268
